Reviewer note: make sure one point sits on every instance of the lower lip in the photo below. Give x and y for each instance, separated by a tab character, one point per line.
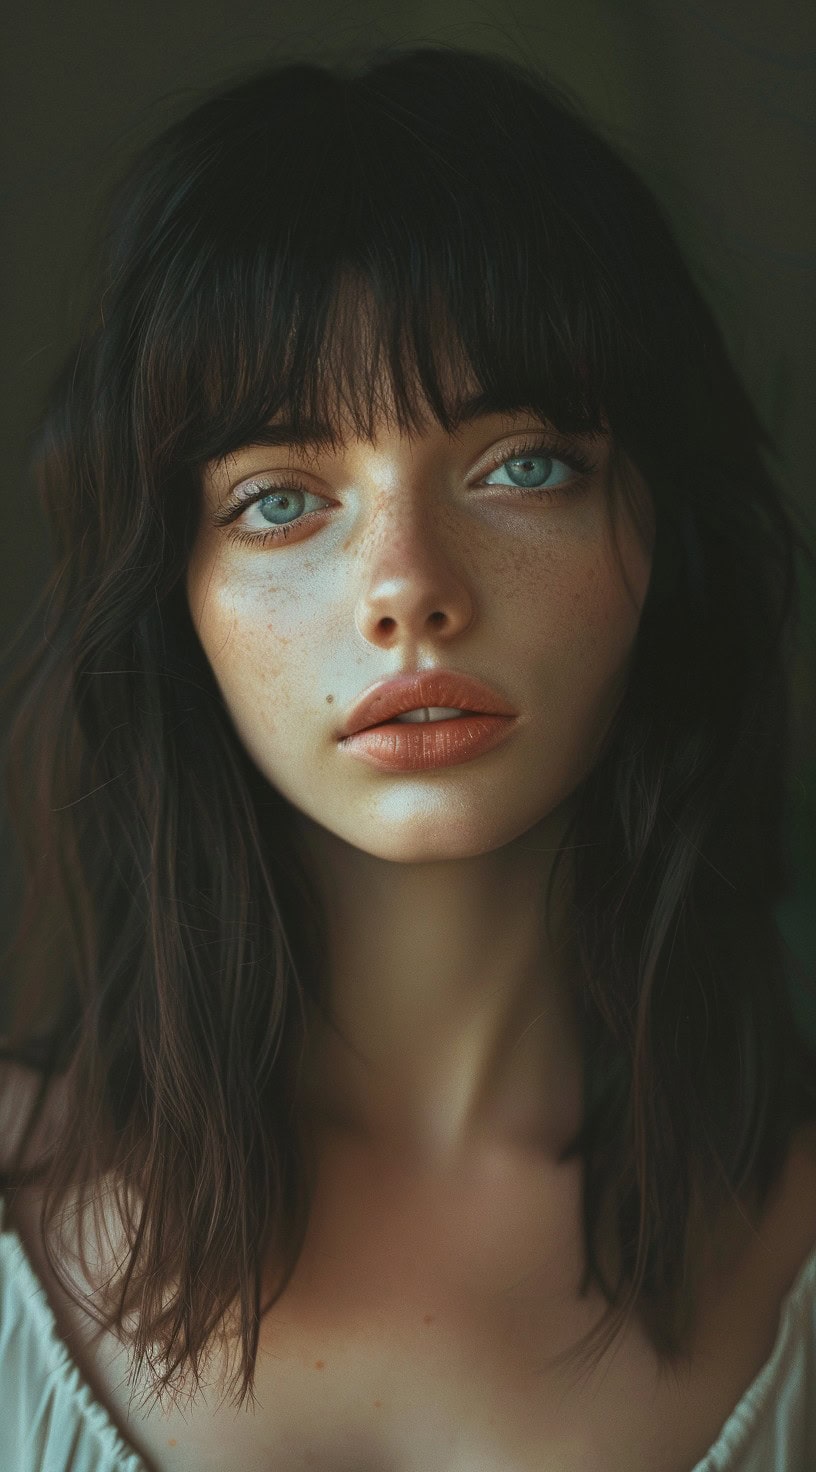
416	746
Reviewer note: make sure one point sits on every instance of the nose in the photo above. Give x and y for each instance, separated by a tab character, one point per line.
413	587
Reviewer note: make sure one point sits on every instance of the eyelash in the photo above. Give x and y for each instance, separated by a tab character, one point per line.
573	457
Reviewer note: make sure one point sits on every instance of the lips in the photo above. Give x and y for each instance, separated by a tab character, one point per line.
427	688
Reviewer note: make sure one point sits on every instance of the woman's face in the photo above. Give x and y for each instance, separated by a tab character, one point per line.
420	551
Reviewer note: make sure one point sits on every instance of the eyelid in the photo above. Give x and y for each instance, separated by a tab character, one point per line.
265	483
544	440
554	441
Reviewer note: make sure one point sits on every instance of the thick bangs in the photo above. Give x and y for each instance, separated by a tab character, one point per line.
338	260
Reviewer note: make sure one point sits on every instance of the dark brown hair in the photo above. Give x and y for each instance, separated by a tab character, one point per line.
169	944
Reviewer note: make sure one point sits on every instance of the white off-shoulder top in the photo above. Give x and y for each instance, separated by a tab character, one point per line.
50	1420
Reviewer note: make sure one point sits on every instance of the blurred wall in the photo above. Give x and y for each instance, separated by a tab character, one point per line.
714	102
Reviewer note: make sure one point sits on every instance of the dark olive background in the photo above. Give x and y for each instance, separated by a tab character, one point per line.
714	102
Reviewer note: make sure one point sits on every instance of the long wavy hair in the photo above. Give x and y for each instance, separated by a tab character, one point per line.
169	945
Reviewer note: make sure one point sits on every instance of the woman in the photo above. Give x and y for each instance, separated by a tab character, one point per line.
399	763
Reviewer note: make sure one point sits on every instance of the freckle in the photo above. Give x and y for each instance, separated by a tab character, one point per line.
378	1403
320	1364
171	1441
428	1319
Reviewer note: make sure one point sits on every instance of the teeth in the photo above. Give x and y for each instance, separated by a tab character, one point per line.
429	713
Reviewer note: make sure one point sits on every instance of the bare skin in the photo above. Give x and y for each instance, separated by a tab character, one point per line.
441	974
441	1267
417	1329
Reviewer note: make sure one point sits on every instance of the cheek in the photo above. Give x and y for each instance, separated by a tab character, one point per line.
244	647
264	643
601	612
573	610
579	650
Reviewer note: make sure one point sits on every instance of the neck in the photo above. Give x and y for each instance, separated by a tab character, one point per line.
453	997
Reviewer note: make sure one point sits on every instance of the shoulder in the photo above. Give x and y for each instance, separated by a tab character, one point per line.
787	1233
18	1092
765	1249
799	1176
20	1085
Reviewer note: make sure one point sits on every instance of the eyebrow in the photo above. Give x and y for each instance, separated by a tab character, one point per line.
317	434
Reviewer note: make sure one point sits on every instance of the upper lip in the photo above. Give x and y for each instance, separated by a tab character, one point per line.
425	688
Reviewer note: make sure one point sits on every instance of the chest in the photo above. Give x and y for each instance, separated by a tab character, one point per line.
417	1332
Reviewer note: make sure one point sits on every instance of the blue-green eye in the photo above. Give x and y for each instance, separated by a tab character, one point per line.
282	504
282	501
527	470
529	467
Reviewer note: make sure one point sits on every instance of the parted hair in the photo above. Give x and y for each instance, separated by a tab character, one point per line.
168	948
